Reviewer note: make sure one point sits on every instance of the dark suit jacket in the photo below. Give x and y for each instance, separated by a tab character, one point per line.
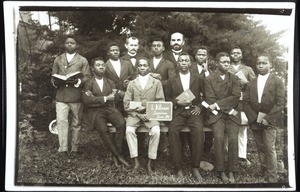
272	101
194	69
62	67
248	72
165	68
126	73
174	89
127	58
95	102
168	55
225	93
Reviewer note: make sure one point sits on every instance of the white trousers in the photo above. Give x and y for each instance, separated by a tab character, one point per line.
242	141
131	138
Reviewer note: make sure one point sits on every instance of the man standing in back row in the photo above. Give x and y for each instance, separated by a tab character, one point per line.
245	74
132	55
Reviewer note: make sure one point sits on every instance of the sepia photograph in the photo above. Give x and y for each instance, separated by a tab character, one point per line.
149	96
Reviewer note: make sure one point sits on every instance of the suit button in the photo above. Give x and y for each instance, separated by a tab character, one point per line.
66	85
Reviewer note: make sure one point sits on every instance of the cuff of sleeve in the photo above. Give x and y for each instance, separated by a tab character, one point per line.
104	99
218	108
78	83
231	111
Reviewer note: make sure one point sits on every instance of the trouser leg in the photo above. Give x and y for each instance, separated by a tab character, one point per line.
232	130
242	141
76	111
131	138
62	113
153	141
219	130
270	153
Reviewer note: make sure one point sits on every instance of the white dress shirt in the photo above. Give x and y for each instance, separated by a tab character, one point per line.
176	54
143	80
133	60
261	82
156	62
117	66
185	80
200	69
100	83
70	57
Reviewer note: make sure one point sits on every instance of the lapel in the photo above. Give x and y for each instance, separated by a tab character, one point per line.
122	73
267	87
137	84
111	69
74	60
178	84
149	84
159	64
253	89
105	86
232	69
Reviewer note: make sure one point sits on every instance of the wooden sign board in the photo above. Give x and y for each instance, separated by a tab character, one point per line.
159	111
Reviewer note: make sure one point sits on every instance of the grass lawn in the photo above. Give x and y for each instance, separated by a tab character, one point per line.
40	165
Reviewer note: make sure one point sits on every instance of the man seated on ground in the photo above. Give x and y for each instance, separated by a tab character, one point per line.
142	89
186	112
99	94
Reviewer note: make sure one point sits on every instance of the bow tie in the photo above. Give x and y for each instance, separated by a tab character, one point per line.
176	53
132	57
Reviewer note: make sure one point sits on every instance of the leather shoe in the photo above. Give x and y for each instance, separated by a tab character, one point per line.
223	176
231	177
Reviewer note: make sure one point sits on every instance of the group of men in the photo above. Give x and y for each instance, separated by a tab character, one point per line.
122	86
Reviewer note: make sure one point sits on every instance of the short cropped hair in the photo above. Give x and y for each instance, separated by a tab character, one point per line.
157	39
143	58
72	36
96	59
201	47
110	45
236	47
221	54
132	37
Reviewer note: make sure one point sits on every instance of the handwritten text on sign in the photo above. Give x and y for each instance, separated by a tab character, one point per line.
159	111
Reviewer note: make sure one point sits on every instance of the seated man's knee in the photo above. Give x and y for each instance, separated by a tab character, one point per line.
130	130
155	130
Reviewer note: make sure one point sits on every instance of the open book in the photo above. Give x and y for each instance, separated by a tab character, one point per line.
187	95
69	76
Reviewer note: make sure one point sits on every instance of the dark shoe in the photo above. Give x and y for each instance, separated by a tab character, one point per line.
222	176
179	173
231	177
197	175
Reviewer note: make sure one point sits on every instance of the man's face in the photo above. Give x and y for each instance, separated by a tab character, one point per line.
99	67
143	67
224	63
177	41
132	46
201	56
236	55
157	48
114	52
184	63
263	65
70	45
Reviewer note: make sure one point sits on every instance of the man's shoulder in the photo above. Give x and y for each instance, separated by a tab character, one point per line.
125	62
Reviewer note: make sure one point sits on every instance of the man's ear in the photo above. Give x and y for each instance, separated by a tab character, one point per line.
126	46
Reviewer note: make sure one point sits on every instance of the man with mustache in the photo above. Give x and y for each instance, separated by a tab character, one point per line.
132	55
